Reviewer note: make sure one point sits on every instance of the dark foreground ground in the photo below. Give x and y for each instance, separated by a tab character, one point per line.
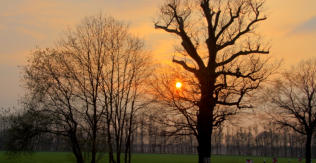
64	157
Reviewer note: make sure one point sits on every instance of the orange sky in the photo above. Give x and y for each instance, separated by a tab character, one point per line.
27	24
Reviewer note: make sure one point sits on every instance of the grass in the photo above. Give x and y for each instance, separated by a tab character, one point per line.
64	157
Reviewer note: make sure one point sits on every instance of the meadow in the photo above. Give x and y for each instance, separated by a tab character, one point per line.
64	157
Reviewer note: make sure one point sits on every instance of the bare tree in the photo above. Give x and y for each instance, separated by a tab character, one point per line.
83	53
123	88
51	94
222	52
293	101
89	86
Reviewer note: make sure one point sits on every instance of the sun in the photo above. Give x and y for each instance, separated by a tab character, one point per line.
178	85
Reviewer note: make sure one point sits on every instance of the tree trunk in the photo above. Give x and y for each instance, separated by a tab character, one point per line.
79	157
308	148
94	133
127	152
94	151
204	127
109	141
142	136
205	116
118	155
76	148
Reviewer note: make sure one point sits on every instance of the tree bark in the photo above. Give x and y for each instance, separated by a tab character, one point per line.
94	134
93	150
109	139
204	138
204	127
142	136
76	148
308	148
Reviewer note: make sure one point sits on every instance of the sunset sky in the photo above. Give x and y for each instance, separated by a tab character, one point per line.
27	24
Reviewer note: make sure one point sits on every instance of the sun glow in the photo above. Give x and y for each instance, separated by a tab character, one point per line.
178	85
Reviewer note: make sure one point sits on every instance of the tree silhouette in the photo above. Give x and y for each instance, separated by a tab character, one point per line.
89	86
221	50
293	100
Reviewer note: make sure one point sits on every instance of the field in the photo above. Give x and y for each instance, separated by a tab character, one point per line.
63	157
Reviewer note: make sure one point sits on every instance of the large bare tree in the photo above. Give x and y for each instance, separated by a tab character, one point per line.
221	50
293	101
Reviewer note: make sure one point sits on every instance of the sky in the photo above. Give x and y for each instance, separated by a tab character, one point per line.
29	24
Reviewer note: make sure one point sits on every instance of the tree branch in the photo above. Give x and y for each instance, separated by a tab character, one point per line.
186	40
165	28
239	74
241	53
241	32
184	65
233	40
230	22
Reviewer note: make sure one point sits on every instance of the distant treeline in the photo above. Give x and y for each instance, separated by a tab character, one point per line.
150	137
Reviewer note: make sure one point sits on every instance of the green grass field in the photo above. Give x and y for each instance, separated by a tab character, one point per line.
63	157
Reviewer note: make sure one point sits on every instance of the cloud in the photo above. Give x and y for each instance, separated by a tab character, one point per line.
10	90
306	27
14	39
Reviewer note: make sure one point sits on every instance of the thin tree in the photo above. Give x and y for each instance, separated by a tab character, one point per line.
122	88
222	52
293	99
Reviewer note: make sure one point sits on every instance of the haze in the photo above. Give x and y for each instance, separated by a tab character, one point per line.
27	24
